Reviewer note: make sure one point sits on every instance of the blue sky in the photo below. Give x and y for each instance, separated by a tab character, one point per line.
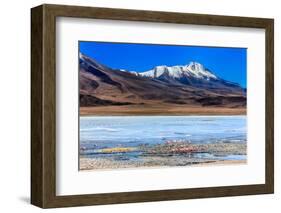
227	63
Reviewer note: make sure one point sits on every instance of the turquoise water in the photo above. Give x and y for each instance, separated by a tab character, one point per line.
98	132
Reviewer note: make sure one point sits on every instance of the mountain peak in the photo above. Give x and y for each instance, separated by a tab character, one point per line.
191	70
199	71
193	65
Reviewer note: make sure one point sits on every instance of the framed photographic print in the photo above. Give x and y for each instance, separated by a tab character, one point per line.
137	106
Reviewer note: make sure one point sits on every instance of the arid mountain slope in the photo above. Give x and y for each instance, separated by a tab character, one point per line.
188	85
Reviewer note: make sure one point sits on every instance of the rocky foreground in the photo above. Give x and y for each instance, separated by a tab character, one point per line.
169	154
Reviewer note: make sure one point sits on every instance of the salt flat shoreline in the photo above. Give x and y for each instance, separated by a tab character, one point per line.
87	164
160	110
173	154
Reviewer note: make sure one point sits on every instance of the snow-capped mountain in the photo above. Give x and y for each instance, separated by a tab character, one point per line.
184	85
192	74
192	70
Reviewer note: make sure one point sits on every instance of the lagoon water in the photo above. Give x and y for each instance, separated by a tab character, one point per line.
97	132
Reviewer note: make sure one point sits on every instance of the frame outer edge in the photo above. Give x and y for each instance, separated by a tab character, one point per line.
43	154
270	106
37	188
156	16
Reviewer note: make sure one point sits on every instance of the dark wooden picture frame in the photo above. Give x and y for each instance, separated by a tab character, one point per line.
43	105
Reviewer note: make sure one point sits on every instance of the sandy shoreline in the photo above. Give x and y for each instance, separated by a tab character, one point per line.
105	164
160	110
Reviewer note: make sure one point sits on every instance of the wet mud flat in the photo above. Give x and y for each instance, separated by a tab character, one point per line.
168	154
